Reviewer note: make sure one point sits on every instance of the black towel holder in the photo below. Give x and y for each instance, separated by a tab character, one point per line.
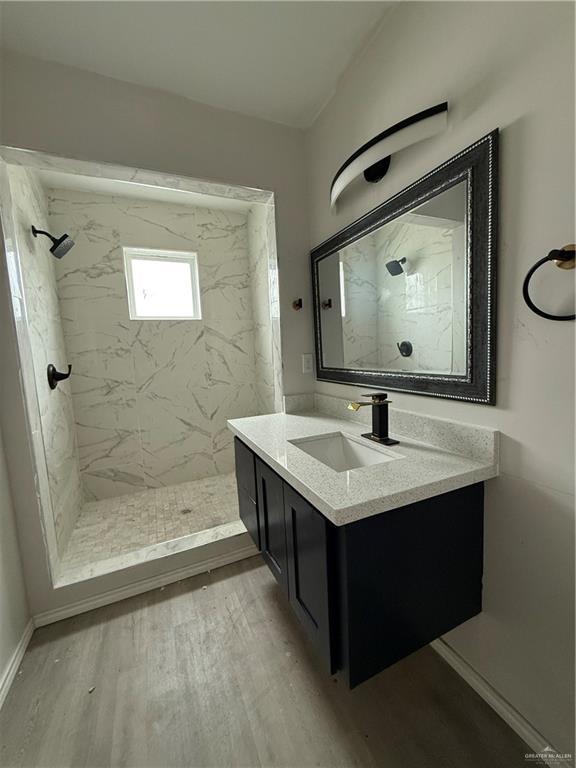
565	259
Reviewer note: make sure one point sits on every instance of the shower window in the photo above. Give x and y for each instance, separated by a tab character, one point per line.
162	285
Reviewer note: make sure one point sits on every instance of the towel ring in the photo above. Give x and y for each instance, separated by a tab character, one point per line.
565	259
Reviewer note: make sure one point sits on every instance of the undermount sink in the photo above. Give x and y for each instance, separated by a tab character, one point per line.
341	451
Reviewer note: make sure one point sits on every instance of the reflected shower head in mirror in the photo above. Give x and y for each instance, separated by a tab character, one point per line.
395	266
60	245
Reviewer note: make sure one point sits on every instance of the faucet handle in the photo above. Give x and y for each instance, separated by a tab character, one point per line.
378	397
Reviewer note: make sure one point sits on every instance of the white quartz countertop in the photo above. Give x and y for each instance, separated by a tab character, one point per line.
421	471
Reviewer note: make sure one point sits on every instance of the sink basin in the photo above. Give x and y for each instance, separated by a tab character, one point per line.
342	452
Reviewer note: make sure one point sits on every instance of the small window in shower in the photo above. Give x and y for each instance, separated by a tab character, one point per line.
162	285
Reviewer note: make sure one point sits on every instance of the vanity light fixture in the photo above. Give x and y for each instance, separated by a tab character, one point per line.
373	158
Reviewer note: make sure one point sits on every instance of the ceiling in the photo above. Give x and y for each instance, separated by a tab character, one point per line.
279	61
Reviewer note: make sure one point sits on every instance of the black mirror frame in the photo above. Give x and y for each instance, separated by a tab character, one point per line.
478	165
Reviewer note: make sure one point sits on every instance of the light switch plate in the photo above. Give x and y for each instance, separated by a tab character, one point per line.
307	363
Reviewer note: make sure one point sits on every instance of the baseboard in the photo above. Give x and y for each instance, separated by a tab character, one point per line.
9	673
145	585
537	743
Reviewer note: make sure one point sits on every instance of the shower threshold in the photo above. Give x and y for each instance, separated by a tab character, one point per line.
125	531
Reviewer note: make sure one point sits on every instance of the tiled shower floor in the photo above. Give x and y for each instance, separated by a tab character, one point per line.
115	530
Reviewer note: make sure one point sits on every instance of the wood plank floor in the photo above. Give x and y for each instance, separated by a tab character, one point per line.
213	671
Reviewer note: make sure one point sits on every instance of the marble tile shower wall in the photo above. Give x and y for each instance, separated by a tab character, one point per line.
151	398
423	305
360	321
420	304
47	346
265	307
274	303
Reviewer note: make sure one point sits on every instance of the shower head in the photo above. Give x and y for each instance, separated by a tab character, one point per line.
60	245
395	266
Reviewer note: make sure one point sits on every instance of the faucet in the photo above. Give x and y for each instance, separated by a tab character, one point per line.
379	402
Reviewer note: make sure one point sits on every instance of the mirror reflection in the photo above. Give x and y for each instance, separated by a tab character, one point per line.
396	299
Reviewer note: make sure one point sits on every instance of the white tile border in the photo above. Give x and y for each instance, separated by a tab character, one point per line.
158	551
45	161
8	674
499	704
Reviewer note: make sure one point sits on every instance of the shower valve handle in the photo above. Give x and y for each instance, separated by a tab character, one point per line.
55	376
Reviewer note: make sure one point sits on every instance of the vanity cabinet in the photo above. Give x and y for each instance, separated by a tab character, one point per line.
270	494
371	592
246	482
310	573
294	545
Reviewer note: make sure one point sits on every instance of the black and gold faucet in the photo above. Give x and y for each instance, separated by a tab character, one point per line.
379	403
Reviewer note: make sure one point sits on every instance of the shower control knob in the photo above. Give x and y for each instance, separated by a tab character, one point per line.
405	348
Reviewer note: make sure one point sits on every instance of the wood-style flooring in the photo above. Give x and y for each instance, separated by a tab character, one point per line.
213	671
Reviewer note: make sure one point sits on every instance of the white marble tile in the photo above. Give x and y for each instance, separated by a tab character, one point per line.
176	443
153	396
41	160
115	480
170	360
424	304
27	375
116	533
360	323
125	369
46	338
265	301
420	305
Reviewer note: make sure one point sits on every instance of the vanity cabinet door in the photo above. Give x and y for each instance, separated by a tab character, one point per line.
270	492
249	515
246	482
309	576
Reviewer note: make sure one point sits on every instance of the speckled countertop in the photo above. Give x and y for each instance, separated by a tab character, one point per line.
463	455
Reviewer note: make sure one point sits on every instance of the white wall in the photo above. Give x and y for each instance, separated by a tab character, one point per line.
14	614
509	65
13	603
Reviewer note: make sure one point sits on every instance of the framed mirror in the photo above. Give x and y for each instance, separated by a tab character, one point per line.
404	298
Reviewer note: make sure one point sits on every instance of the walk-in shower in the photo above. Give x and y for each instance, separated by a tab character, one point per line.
166	310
